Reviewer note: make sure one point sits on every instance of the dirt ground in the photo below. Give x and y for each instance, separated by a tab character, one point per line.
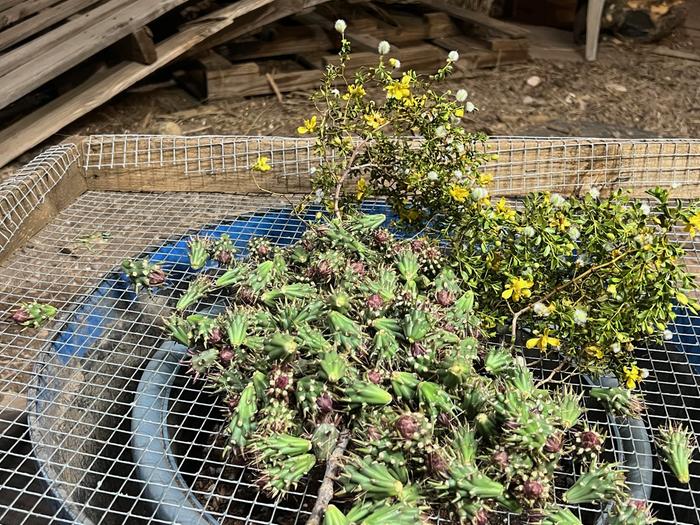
629	91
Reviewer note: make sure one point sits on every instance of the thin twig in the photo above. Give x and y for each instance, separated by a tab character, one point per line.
563	286
326	492
346	172
551	375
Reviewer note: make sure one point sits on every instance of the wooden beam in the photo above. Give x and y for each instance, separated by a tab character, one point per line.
251	22
38	126
68	53
44	43
41	21
675	53
474	17
287	41
23	10
137	47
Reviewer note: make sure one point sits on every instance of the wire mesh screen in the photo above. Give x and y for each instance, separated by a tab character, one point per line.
87	453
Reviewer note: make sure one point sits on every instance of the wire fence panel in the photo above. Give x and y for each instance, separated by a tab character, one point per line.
82	458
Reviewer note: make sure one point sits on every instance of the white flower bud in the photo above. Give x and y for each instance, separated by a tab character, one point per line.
335	92
453	56
594	192
574	234
668	335
469	107
540	309
644	373
557	200
312	171
528	231
645	208
615	347
432	175
479	193
440	132
340	25
459	175
383	47
461	95
580	317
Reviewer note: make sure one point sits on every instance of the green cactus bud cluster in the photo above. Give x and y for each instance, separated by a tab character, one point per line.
34	314
676	446
143	274
353	332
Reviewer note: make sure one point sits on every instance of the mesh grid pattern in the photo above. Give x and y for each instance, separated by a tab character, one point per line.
82	389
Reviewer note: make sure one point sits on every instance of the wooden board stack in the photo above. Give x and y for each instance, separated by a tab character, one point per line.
243	48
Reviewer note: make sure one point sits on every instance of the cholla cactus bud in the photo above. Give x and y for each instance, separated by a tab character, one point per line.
404	385
631	512
373	478
559	516
278	446
333	516
333	367
554	443
324	440
568	407
34	314
198	248
340	26
498	360
588	443
676	446
142	273
468	482
361	392
197	289
223	250
601	483
281	346
383	48
285	474
241	422
620	401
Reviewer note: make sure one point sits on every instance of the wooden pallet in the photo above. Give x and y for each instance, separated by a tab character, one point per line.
292	54
256	54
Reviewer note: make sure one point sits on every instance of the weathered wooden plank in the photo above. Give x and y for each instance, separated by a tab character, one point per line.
68	53
42	20
63	110
286	41
12	60
474	17
23	10
251	22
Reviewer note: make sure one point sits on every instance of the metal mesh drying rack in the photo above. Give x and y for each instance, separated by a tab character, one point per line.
75	212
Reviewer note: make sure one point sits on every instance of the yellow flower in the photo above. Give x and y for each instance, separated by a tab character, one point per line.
633	376
355	90
408	214
459	193
374	119
517	288
361	188
594	351
543	341
459	112
399	89
485	179
504	210
308	127
693	224
560	222
261	165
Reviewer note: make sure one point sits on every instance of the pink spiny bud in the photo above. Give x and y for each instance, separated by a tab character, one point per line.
532	489
374	377
482	517
381	236
553	443
215	337
445	298
226	355
21	316
358	268
374	302
437	463
501	458
324	402
156	277
589	440
444	419
407	426
418	350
